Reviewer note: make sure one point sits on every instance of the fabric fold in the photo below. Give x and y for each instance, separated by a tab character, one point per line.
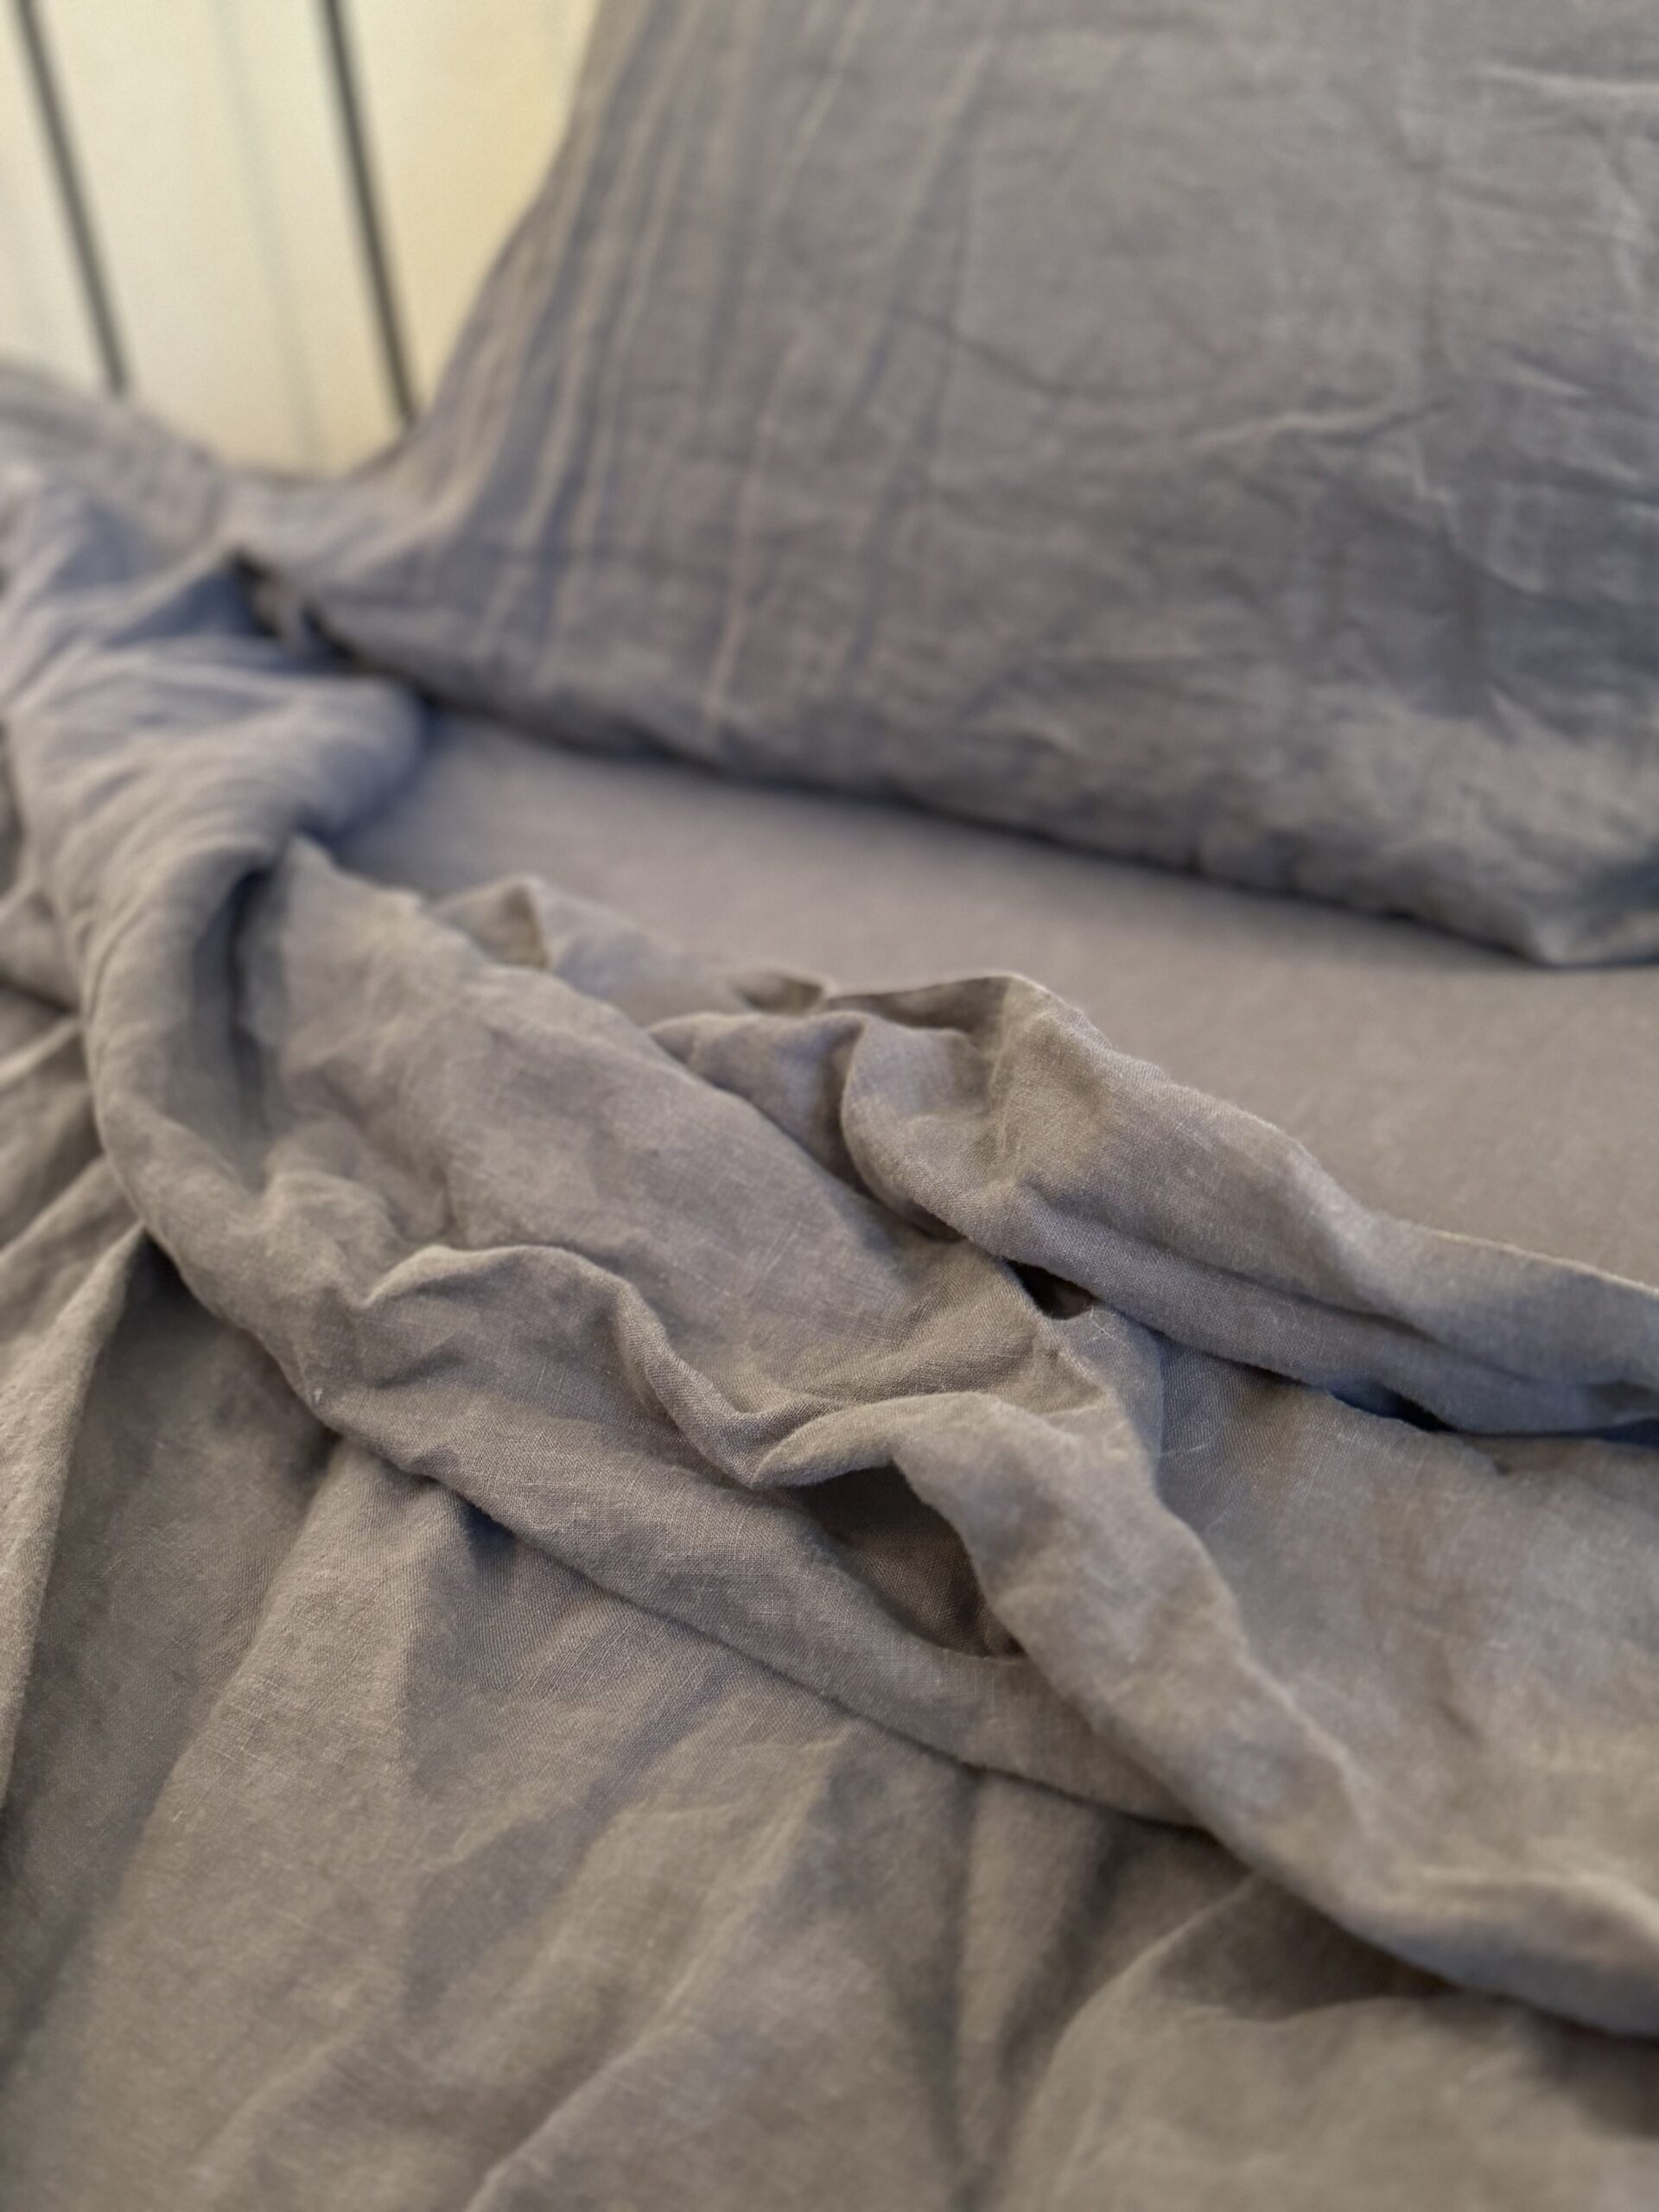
633	1258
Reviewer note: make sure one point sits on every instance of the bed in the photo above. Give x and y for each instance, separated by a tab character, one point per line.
805	1397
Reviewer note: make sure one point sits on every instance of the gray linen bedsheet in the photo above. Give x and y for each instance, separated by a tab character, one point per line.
627	1581
1436	1079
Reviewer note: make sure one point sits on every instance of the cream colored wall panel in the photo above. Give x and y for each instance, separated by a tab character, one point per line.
217	181
215	178
466	100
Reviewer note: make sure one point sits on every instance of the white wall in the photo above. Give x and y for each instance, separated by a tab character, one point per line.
206	133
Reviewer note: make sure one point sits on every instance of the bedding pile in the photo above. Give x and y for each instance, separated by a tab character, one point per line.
632	1582
628	1584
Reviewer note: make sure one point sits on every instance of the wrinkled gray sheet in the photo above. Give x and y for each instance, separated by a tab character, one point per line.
1435	1078
1221	433
626	1582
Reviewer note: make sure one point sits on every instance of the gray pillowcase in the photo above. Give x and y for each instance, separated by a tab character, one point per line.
1224	435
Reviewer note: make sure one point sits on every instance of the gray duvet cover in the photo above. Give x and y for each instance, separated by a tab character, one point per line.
632	1583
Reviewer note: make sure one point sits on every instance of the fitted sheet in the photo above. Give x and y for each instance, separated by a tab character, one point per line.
1446	1082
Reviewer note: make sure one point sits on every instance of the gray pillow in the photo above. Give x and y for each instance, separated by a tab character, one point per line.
1226	434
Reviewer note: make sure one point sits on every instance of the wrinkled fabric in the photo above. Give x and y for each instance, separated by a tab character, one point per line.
631	1581
1394	1054
1219	434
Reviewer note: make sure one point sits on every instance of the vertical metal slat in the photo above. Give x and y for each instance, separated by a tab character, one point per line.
72	197
371	229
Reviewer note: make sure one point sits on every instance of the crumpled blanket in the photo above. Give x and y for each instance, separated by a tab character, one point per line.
623	1584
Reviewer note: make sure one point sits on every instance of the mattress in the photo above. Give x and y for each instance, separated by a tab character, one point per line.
1438	1080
